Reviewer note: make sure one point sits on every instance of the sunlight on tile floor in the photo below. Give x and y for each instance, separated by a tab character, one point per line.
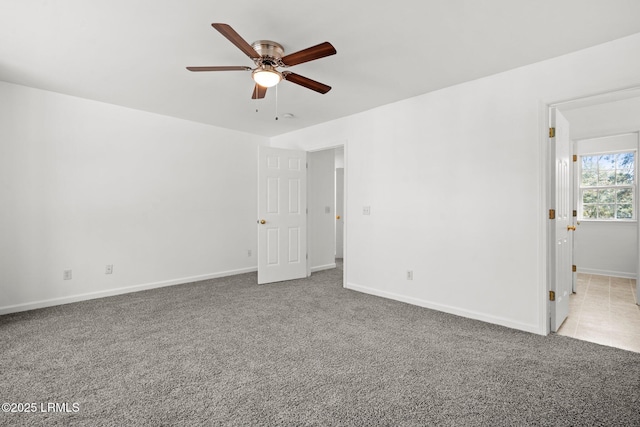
603	310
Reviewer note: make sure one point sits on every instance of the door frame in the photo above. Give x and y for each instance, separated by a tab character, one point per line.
330	146
544	226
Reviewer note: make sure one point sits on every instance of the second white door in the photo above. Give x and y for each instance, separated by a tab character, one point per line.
560	231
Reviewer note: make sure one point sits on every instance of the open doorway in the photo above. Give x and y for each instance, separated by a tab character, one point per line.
326	204
603	307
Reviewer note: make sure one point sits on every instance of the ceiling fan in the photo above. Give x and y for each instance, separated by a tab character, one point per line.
268	56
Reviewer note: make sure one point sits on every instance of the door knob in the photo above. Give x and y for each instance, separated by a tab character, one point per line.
337	216
262	221
571	227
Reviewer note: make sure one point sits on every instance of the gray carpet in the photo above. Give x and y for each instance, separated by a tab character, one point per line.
306	352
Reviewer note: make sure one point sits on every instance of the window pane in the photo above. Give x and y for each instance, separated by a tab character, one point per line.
590	196
607	196
625	196
589	211
606	177
589	177
624	212
624	177
625	165
606	211
607	162
589	162
624	161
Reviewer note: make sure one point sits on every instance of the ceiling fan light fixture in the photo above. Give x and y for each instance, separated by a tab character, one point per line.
266	76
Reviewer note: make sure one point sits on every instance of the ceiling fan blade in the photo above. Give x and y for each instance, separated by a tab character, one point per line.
235	38
221	68
306	82
309	54
259	92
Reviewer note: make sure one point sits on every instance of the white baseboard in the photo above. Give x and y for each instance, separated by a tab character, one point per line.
534	329
623	274
118	291
323	267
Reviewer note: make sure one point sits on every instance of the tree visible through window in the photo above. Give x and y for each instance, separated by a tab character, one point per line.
607	186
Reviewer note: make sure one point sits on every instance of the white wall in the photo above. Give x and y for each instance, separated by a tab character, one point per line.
605	247
85	184
321	197
604	119
456	186
609	249
624	142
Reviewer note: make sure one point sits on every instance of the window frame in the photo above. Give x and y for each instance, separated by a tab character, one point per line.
580	188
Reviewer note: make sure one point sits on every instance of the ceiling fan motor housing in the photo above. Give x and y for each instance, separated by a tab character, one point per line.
270	52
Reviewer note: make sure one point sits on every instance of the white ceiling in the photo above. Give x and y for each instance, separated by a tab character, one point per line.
134	52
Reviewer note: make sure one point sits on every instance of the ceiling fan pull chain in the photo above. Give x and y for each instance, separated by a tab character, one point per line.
276	102
255	93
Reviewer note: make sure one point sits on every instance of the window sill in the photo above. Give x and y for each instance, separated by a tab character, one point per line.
608	221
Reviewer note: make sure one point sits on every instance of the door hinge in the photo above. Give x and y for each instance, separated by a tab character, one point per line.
307	256
552	296
552	214
575	212
574	268
575	157
307	165
552	132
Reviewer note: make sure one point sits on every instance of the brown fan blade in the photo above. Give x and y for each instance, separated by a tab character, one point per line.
309	54
259	92
306	82
235	38
222	68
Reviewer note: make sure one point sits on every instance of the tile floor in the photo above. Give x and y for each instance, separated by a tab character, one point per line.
603	310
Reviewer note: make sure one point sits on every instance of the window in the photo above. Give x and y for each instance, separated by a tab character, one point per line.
607	186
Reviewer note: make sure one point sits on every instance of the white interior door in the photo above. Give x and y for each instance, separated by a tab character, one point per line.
282	217
562	245
575	182
339	212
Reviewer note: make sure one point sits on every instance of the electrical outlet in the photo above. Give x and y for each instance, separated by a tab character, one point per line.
249	252
66	275
366	210
409	274
109	269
